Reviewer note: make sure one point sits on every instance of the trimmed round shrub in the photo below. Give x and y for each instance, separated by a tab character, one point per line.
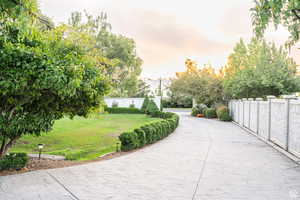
167	115
157	114
129	141
210	113
150	133
223	113
141	136
14	161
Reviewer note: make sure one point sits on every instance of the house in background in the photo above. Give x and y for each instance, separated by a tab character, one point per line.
155	86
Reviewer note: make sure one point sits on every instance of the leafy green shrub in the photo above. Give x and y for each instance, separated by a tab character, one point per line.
167	115
152	107
223	113
13	161
145	104
210	113
201	108
198	109
141	136
149	133
177	102
194	112
121	110
130	141
157	114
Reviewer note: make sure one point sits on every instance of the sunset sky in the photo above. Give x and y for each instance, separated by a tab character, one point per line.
167	32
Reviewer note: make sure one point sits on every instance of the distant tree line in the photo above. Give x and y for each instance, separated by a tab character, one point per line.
253	70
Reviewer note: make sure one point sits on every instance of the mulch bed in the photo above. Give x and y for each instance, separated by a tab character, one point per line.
36	164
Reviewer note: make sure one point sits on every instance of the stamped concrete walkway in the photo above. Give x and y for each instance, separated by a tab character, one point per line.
203	160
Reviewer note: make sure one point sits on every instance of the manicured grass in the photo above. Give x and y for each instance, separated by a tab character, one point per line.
83	138
178	108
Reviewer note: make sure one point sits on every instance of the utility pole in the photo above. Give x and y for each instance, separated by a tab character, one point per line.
160	91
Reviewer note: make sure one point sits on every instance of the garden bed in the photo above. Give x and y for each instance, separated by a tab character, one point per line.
36	164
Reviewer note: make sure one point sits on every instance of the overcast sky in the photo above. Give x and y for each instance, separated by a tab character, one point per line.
168	31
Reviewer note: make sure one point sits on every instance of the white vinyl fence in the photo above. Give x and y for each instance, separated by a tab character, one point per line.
274	120
125	102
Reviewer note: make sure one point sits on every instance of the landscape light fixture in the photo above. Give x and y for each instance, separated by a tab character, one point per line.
40	146
117	147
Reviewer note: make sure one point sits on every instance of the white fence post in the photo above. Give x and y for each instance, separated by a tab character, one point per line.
238	110
258	112
288	98
243	114
249	116
270	111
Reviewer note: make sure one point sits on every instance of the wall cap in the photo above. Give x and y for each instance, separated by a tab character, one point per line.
289	97
271	97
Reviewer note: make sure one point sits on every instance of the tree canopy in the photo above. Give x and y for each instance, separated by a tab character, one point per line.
259	69
44	74
285	12
116	52
202	84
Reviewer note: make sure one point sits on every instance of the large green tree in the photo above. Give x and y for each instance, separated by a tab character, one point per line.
44	75
202	84
259	69
285	12
117	52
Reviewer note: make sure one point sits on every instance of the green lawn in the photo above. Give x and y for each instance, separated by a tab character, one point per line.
81	138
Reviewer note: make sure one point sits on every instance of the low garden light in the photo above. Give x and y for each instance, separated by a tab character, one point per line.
40	146
118	148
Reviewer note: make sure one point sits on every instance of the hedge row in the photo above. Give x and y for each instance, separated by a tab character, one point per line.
13	161
121	110
222	112
151	132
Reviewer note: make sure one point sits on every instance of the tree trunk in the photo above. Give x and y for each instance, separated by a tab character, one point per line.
6	146
2	147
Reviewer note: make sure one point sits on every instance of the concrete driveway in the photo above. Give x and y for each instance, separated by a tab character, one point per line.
204	160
